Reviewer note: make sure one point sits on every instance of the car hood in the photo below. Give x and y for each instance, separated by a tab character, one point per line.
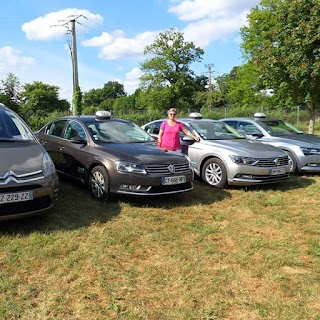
304	140
142	153
20	157
248	148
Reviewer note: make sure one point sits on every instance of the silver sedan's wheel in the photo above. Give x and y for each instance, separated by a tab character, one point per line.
99	183
292	162
214	173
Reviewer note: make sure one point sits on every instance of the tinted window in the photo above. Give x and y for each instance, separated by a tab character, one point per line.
56	128
74	129
12	127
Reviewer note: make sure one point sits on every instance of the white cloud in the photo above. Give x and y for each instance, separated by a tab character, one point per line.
55	24
211	20
132	81
11	60
117	46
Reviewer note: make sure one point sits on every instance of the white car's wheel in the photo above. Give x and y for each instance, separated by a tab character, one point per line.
214	173
99	183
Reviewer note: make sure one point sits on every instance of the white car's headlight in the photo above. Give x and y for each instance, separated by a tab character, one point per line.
244	160
129	167
310	151
47	165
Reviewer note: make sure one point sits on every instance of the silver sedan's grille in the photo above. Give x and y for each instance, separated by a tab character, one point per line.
22	178
272	162
157	170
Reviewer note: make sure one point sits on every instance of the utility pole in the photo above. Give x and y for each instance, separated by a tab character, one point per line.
71	29
210	87
209	66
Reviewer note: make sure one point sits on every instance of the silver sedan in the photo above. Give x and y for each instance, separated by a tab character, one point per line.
224	157
303	149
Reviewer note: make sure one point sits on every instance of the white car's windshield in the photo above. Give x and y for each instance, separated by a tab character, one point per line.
117	132
12	128
215	130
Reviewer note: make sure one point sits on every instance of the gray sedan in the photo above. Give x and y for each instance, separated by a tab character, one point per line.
111	155
303	149
223	156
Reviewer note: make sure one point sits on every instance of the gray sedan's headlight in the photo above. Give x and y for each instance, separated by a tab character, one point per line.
47	165
310	151
129	167
244	160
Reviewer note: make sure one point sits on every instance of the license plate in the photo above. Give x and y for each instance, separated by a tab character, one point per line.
16	197
275	172
173	180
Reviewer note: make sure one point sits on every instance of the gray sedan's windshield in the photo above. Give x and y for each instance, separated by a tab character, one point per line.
214	130
117	132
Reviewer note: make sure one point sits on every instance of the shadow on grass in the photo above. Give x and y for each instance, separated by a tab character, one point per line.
293	183
77	209
201	194
74	209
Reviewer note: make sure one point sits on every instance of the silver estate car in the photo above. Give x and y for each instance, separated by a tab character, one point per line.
303	149
111	155
223	156
28	181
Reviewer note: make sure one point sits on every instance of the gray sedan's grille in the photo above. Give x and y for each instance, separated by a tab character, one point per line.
20	178
157	170
272	162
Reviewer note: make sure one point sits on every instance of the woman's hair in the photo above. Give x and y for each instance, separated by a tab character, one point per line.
172	110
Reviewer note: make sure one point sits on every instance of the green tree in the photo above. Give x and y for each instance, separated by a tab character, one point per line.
170	66
10	89
283	40
110	91
39	99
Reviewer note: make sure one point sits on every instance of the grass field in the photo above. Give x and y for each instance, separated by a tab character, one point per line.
208	254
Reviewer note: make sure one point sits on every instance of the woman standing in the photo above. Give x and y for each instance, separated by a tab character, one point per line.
169	138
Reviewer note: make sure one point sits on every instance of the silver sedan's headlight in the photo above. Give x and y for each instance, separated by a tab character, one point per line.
129	167
47	165
244	160
310	151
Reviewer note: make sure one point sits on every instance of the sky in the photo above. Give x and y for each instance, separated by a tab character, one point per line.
111	36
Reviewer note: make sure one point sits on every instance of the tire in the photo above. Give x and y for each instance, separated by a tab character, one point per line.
214	173
99	183
293	162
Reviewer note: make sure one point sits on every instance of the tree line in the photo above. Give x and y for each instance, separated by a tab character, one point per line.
280	72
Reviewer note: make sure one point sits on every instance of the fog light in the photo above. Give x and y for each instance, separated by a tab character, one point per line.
129	187
312	164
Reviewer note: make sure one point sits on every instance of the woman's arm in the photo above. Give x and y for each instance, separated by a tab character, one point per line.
190	134
160	137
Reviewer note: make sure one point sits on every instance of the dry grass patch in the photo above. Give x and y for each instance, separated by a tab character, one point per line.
210	254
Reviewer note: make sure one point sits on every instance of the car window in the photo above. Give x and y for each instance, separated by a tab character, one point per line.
214	130
117	132
12	127
56	128
247	128
75	129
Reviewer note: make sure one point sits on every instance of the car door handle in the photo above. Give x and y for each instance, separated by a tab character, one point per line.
61	148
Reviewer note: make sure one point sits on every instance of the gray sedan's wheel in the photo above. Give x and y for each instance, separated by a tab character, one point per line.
99	183
292	162
214	173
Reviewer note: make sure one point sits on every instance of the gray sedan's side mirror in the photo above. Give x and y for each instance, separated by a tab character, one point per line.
78	140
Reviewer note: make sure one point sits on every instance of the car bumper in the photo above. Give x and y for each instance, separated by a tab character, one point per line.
149	186
251	175
309	163
45	195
